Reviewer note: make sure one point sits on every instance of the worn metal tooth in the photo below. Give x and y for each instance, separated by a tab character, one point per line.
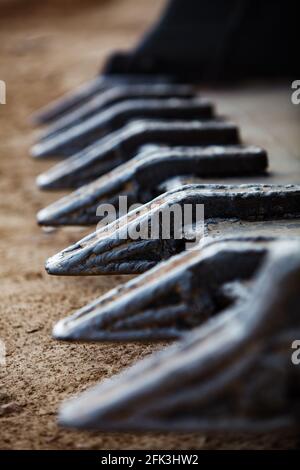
234	373
171	298
139	179
69	101
115	117
114	254
99	252
216	229
88	90
115	95
122	145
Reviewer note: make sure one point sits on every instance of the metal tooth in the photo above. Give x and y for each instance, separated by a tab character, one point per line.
139	178
69	101
116	116
88	90
173	297
115	95
111	249
122	145
234	373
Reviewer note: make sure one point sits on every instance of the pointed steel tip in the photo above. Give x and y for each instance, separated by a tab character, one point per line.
60	332
57	330
40	150
69	417
80	411
66	262
55	265
47	217
34	151
37	151
43	217
44	182
41	181
64	330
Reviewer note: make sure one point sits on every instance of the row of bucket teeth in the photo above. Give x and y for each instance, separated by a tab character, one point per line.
89	90
119	94
232	374
111	249
169	300
120	146
225	284
102	124
140	178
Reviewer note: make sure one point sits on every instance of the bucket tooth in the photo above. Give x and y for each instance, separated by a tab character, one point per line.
114	95
137	241
83	134
82	94
122	145
232	374
139	178
171	298
69	101
109	251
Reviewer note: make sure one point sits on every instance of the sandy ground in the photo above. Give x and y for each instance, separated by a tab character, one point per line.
45	51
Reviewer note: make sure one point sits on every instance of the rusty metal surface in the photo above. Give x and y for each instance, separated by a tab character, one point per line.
110	249
139	179
234	373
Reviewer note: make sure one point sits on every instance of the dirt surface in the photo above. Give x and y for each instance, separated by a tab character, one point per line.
45	51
